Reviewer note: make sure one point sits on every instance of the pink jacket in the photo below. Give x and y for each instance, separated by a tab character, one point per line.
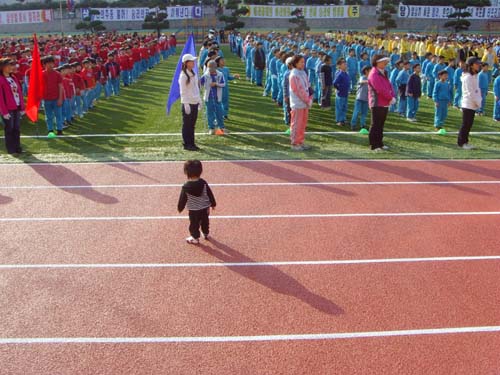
380	91
7	101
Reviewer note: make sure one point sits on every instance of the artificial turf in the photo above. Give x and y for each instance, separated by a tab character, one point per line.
140	109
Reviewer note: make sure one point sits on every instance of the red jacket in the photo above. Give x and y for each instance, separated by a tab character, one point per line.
79	83
69	87
7	101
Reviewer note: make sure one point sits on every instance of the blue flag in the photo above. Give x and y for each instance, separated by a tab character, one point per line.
175	92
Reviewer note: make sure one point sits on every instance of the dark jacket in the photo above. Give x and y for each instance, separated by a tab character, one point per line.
259	59
414	86
197	195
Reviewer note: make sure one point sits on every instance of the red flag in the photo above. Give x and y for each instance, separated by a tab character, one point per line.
35	91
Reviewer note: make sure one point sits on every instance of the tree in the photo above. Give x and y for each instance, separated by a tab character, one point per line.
385	18
299	20
233	21
457	21
156	21
89	25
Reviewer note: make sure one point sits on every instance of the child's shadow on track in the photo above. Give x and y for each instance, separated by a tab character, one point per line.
271	277
5	200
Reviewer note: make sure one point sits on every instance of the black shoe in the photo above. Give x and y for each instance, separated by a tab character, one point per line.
60	132
66	125
191	148
226	118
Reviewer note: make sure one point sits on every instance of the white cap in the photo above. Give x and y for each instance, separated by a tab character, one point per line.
188	57
289	60
383	59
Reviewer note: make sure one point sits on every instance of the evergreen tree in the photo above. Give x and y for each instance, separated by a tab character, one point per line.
233	21
385	18
156	21
299	20
89	25
458	20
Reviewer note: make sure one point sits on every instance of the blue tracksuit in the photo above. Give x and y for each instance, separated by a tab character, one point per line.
225	90
352	70
392	78
311	72
361	105
401	82
496	92
342	83
484	82
429	76
414	87
457	83
441	96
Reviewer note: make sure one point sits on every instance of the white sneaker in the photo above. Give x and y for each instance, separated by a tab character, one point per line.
385	148
297	148
378	149
211	131
306	147
193	241
467	146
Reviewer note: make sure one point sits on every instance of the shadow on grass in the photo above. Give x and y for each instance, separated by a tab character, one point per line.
270	277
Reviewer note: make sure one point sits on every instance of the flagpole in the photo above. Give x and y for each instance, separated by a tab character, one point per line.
60	10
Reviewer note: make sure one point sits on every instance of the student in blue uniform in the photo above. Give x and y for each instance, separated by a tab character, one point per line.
352	68
442	99
221	64
361	104
457	84
342	84
401	82
413	93
484	82
496	105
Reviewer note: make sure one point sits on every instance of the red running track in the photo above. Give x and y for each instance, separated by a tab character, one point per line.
212	301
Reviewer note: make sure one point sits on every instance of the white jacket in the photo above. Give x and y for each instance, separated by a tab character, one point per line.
206	80
190	93
471	94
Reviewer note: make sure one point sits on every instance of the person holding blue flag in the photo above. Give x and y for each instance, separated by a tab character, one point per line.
190	100
185	85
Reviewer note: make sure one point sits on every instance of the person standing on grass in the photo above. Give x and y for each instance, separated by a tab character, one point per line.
496	93
259	63
457	83
413	93
213	82
380	97
300	102
113	74
52	96
190	101
221	64
342	84
361	104
484	83
11	106
401	83
199	199
471	100
326	77
442	99
286	93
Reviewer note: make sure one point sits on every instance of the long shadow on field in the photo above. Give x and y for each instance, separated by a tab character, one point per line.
5	200
271	277
59	175
470	168
416	175
289	175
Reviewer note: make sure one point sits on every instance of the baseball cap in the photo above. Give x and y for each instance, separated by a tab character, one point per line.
473	60
188	57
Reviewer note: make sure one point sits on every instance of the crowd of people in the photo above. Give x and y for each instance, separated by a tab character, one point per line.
297	71
77	72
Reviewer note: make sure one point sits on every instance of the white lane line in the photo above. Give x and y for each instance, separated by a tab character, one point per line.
241	161
253	184
249	217
248	264
230	339
136	135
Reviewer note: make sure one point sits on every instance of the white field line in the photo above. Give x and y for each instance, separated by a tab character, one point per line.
249	217
231	339
252	184
135	135
241	161
247	264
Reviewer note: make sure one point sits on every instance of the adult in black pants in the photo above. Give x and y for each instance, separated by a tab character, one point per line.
11	106
380	96
190	100
471	100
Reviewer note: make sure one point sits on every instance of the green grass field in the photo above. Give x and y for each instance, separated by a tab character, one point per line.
141	109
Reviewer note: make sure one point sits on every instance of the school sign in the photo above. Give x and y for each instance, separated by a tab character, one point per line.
312	12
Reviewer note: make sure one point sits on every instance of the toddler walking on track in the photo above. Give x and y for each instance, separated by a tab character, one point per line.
198	197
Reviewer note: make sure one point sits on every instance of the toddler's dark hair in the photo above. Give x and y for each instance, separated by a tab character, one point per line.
193	168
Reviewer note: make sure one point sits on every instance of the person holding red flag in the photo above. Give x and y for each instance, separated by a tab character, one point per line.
36	84
11	105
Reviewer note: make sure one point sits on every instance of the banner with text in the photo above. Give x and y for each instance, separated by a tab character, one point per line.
312	11
442	12
184	13
26	16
